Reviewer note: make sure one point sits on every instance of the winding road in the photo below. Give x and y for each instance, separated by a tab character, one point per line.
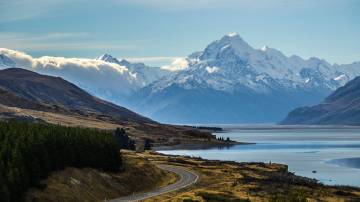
187	178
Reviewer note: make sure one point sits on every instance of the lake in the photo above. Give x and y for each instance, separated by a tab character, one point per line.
330	155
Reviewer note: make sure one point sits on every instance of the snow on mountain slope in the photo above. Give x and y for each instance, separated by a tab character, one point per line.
6	62
237	63
260	85
143	73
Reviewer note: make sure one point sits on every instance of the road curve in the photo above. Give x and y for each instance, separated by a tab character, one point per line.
187	178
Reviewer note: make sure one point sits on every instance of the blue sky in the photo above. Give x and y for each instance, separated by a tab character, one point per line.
156	31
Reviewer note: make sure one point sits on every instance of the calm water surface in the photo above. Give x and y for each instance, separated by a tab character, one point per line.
333	153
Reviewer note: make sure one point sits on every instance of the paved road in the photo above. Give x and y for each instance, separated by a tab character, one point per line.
187	178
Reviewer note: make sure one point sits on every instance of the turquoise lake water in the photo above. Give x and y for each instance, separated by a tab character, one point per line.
334	153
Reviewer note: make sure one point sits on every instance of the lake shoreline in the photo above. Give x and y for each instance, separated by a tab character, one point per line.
200	146
353	162
250	181
304	150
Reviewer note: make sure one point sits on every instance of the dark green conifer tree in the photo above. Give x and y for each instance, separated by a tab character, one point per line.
147	144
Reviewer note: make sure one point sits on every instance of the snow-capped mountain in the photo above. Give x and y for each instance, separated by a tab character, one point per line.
230	61
227	82
230	81
143	73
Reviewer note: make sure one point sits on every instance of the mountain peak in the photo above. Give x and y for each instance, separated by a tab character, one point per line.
108	58
235	41
272	51
103	56
233	34
125	62
230	41
232	37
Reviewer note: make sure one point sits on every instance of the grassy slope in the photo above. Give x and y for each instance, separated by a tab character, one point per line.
87	184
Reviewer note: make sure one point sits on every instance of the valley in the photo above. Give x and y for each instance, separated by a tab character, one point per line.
46	101
179	101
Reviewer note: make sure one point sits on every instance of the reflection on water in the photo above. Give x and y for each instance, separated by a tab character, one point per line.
333	153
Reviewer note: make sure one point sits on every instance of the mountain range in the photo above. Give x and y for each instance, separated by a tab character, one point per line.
340	108
231	82
227	82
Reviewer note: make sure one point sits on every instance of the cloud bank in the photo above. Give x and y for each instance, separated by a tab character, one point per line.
152	60
109	80
177	65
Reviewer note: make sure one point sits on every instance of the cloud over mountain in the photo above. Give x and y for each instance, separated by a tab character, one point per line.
96	76
177	65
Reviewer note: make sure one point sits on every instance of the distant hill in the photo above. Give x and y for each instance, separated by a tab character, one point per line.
341	108
27	89
29	96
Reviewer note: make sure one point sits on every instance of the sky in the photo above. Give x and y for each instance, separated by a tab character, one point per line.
159	31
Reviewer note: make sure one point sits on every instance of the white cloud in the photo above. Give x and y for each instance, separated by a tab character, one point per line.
24	9
58	41
52	35
12	10
96	76
177	65
159	59
181	5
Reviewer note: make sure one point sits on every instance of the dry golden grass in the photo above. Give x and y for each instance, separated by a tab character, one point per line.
228	181
73	184
61	119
